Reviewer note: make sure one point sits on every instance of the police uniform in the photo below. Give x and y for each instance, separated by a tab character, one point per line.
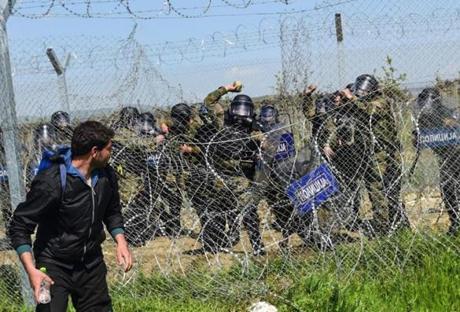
281	168
175	172
448	157
379	148
231	157
341	130
201	189
128	160
216	108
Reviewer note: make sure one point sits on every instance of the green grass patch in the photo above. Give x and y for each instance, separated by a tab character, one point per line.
407	273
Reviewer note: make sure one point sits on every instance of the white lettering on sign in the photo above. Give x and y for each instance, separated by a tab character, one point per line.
438	137
282	148
309	191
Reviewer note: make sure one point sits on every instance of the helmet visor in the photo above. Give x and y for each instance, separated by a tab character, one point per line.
147	127
267	115
241	111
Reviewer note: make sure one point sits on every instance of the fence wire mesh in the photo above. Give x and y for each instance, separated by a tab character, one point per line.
344	170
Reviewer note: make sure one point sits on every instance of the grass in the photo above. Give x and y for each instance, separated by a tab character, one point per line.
408	273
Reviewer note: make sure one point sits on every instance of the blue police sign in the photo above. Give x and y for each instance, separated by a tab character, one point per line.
439	137
313	189
286	147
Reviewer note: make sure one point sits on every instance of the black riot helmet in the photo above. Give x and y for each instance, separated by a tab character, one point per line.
181	114
324	104
365	86
241	110
60	120
146	123
429	100
128	116
268	115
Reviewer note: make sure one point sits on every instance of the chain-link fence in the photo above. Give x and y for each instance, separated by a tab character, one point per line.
235	199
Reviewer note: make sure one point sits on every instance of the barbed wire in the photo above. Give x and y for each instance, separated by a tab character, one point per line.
86	8
246	39
107	74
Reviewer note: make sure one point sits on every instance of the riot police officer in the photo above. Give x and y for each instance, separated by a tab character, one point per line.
216	110
60	121
280	169
435	116
175	164
127	118
44	137
380	152
146	124
231	158
143	215
128	159
340	139
43	140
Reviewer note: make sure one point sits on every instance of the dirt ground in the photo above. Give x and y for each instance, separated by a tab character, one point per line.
166	256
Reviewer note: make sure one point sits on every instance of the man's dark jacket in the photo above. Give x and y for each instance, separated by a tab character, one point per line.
70	225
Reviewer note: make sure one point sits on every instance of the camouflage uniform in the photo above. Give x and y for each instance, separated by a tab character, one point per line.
128	160
346	137
217	110
380	150
201	188
223	187
175	169
231	158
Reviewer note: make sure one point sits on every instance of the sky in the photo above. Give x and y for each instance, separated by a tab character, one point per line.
223	44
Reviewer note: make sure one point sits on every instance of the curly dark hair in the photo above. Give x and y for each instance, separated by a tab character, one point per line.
89	134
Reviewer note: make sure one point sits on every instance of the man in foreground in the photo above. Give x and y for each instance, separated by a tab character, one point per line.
69	202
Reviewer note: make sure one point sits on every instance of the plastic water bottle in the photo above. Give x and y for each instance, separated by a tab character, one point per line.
44	296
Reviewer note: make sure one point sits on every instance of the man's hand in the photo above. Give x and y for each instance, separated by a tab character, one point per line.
159	138
186	149
310	89
234	87
347	94
328	152
164	128
124	256
36	277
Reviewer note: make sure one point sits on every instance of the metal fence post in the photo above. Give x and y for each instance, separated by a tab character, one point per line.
340	50
61	75
10	131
